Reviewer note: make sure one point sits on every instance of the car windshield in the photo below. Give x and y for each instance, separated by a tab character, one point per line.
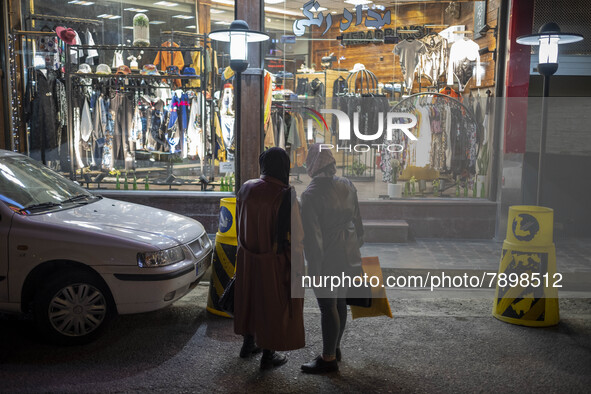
27	186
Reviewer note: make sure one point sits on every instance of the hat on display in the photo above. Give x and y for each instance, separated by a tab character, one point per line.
357	67
228	86
103	69
84	69
123	70
149	69
189	71
172	70
67	35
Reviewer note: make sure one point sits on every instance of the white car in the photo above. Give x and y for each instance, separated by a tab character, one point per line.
75	259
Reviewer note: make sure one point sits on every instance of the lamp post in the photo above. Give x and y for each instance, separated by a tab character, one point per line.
238	35
548	38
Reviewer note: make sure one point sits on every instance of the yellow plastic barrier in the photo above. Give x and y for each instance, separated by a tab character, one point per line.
224	256
227	224
525	293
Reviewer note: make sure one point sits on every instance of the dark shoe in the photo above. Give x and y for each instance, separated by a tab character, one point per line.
248	349
275	360
338	354
320	366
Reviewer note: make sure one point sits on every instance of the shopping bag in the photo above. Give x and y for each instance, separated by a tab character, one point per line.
379	303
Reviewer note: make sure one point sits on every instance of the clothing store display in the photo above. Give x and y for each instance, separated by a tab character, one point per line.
67	35
123	69
461	57
410	52
84	69
117	59
41	110
170	58
149	69
91	54
434	59
103	69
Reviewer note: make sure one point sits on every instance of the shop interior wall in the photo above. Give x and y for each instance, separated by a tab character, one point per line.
379	58
566	186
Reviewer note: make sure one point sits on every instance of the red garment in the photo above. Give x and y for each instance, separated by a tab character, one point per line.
265	305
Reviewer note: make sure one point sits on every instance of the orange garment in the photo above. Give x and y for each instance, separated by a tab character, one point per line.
170	58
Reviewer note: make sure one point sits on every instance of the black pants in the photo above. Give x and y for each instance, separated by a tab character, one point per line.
333	318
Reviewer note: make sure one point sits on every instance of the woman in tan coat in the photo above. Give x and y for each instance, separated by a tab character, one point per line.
266	308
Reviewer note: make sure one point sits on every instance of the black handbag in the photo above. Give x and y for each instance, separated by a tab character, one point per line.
227	298
364	302
359	296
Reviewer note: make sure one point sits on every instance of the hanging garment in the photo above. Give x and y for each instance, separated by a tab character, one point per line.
91	54
301	86
434	59
316	89
117	59
170	58
41	109
122	113
195	142
461	57
99	113
423	143
85	122
409	52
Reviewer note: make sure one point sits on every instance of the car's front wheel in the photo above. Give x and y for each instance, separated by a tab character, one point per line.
72	307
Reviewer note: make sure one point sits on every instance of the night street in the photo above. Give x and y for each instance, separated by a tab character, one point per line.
433	344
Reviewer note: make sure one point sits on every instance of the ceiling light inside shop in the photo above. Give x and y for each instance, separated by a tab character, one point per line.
216	11
274	1
183	16
166	4
109	16
358	2
316	9
282	11
156	22
128	27
191	27
226	2
79	2
222	23
135	9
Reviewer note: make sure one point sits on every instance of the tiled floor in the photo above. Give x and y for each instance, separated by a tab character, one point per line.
571	255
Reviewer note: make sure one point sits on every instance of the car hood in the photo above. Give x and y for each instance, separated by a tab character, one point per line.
126	220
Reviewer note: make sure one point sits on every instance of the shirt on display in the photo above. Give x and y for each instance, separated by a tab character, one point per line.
434	59
409	52
461	56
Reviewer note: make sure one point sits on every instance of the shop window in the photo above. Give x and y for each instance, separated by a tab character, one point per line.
350	75
126	95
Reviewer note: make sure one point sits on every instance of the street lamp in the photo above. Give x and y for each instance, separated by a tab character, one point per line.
238	35
548	38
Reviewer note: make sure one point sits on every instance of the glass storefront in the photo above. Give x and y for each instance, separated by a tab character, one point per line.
125	95
401	92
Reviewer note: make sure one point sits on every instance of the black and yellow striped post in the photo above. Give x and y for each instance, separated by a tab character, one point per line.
526	293
224	256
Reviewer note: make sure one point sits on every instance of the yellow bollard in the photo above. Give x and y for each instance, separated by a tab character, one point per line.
223	266
525	293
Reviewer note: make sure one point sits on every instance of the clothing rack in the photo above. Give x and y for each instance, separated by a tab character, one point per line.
55	18
69	76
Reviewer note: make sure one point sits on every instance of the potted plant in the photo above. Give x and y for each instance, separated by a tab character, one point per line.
394	189
141	30
482	163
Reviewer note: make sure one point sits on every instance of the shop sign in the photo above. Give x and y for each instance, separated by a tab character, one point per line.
388	36
373	19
